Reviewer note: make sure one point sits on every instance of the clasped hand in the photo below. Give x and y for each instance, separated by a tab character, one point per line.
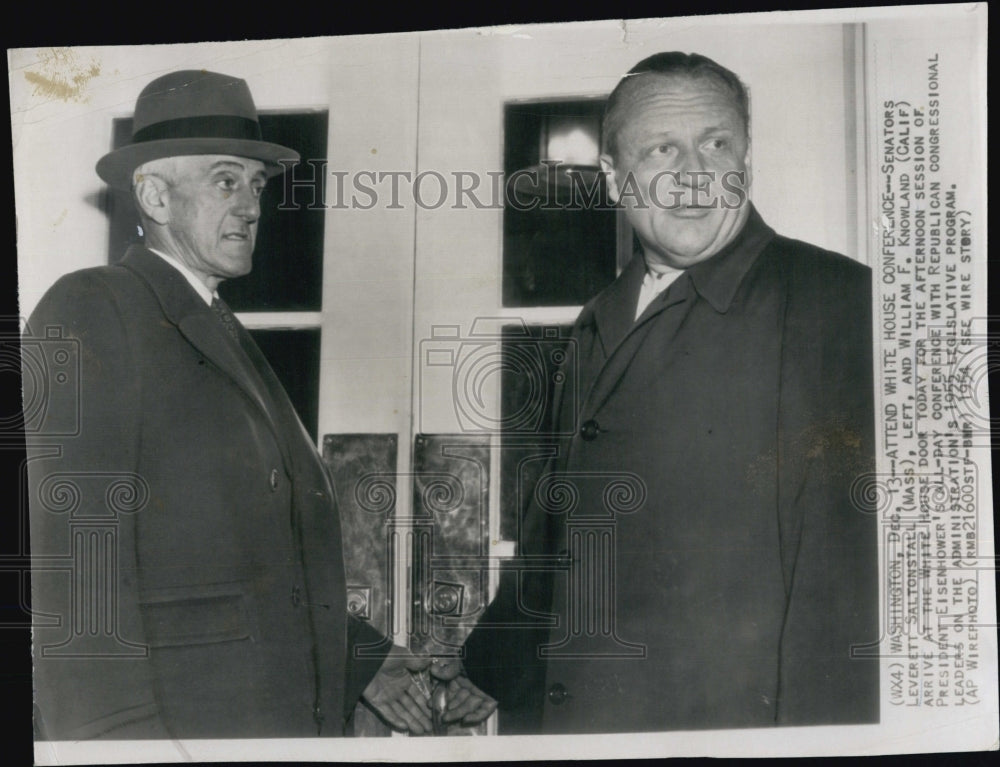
414	692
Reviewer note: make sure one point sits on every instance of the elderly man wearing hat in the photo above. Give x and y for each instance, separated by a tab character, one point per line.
193	585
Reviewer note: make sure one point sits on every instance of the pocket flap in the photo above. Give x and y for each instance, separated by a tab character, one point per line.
202	616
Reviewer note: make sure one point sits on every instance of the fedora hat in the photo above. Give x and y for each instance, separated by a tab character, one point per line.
192	112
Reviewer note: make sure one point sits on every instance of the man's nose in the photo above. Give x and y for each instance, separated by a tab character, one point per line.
247	205
692	170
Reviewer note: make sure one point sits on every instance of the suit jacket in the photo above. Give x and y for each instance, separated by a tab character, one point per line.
188	578
708	566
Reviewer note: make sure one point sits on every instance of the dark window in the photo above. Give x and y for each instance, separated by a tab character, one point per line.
532	359
294	356
287	271
559	231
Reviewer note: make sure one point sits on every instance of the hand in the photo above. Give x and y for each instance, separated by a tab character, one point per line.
466	703
394	693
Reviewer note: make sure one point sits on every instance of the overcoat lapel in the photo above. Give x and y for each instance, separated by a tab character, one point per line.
288	414
620	333
614	312
195	320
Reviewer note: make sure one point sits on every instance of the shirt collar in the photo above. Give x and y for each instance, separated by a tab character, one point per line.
200	287
667	273
718	278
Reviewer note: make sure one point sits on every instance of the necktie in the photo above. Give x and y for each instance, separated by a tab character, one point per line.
227	318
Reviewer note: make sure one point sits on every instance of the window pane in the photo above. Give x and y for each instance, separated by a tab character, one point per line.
294	356
530	364
559	232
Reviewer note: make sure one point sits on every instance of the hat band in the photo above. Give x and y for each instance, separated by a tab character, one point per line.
207	126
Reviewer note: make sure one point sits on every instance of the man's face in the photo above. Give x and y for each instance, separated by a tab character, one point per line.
681	167
213	205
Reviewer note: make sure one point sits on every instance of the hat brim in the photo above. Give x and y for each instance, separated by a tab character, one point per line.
116	167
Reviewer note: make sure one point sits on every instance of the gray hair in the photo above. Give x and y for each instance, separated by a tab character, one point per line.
162	167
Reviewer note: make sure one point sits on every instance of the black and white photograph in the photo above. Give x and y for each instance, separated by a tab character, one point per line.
581	390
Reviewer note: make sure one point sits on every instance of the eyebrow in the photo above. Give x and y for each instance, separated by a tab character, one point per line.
717	129
661	133
241	166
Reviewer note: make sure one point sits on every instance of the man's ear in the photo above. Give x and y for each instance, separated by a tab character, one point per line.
152	195
608	167
748	163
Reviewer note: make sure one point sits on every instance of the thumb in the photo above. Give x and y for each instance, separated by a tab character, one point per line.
399	658
417	662
446	669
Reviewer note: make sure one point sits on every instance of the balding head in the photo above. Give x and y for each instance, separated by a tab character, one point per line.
672	64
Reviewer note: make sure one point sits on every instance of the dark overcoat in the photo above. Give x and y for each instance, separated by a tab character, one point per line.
188	578
708	566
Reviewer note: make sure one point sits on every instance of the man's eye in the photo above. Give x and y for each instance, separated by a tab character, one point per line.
662	149
227	183
717	143
257	191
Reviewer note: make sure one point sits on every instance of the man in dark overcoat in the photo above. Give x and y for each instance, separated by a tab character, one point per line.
188	578
695	557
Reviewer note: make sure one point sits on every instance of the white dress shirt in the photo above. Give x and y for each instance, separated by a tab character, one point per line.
196	283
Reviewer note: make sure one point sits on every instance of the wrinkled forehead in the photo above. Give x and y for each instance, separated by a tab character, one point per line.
678	94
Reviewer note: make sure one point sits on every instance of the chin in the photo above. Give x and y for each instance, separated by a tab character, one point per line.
688	251
240	262
691	243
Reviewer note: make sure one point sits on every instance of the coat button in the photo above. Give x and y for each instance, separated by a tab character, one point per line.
274	480
590	430
557	694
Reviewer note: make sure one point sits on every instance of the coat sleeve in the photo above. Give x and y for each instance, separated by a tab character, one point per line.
82	432
503	660
828	668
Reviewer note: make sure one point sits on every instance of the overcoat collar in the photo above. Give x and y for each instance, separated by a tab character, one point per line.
183	307
716	280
